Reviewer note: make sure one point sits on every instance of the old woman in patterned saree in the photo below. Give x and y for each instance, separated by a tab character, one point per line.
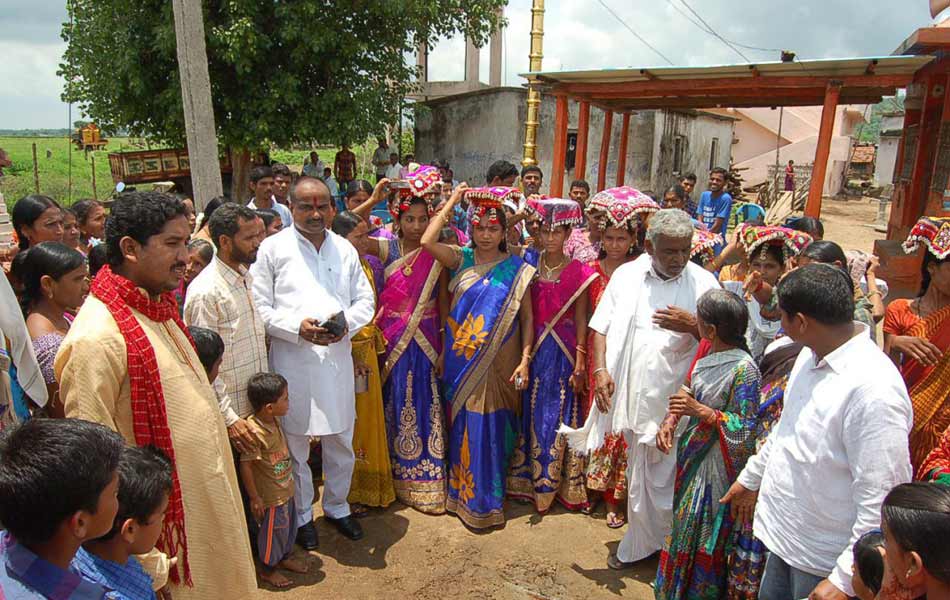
719	438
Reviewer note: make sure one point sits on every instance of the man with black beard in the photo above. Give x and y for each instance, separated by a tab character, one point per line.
220	299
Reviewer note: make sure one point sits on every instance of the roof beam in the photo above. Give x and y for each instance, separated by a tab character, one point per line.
728	102
685	87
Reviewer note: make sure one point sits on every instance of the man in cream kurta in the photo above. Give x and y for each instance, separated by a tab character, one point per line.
649	347
94	385
294	281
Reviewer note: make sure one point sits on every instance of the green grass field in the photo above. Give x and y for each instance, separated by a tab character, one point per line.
53	156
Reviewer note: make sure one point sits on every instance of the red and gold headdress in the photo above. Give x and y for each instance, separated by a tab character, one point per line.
932	232
704	244
640	202
488	202
753	237
556	212
423	181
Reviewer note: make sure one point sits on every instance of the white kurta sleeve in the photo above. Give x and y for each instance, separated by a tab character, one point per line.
875	429
281	324
751	476
362	300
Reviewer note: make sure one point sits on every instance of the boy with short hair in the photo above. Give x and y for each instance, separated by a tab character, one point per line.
58	485
145	482
210	350
267	477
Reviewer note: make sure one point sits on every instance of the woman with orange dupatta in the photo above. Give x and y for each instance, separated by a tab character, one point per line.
917	337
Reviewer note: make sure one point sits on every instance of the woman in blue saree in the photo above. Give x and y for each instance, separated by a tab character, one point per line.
488	337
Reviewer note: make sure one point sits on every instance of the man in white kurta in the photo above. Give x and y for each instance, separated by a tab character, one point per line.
647	342
304	275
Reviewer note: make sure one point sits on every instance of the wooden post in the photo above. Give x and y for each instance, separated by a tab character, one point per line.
813	204
560	147
36	171
583	130
95	195
604	150
622	158
200	131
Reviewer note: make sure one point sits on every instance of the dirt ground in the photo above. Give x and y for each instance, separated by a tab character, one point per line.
560	556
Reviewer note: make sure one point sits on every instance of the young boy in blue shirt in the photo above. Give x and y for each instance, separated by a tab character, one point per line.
58	486
715	205
145	481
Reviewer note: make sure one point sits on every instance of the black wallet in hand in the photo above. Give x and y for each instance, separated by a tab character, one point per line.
335	325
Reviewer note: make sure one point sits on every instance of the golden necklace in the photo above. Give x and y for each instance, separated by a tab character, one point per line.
549	271
407	268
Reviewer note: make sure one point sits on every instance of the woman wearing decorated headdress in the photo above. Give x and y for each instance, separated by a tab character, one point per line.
408	315
769	249
917	336
488	338
619	211
544	468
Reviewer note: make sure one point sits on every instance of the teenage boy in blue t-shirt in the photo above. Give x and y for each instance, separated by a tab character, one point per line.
715	205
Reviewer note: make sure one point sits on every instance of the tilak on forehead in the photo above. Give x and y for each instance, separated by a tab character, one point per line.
422	182
933	233
486	203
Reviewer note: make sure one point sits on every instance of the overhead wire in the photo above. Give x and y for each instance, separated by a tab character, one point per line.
635	34
713	32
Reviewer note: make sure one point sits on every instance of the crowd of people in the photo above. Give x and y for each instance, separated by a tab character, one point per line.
174	381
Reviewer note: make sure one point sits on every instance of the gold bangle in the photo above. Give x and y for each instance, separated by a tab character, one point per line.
872	292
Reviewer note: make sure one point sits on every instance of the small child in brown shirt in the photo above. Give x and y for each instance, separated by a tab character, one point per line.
267	477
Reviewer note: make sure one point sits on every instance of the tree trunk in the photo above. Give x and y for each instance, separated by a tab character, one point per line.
240	174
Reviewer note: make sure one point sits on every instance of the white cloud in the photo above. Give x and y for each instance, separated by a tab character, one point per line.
579	34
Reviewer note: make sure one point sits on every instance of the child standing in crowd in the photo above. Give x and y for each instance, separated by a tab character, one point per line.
868	569
268	479
210	349
58	487
719	438
915	518
145	482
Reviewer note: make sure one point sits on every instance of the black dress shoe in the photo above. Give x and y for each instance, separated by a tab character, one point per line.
307	537
348	527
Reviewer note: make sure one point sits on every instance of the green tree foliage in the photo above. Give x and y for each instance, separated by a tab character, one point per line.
283	72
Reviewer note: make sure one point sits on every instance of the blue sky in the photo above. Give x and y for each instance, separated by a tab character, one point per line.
579	34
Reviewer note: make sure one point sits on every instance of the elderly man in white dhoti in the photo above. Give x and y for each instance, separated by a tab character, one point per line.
305	276
645	337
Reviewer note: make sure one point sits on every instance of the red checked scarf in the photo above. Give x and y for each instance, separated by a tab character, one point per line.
149	419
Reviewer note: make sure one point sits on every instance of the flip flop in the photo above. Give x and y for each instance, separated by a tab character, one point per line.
615	521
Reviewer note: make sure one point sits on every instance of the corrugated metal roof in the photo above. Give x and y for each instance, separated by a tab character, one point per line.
844	67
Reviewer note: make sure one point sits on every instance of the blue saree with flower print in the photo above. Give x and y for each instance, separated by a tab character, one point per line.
482	350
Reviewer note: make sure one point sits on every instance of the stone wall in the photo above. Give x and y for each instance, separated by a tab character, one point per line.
473	130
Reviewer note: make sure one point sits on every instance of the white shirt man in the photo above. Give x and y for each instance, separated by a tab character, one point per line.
381	159
314	167
298	285
648	351
220	299
838	448
394	171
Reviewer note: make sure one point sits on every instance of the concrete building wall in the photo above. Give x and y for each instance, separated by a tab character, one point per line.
473	130
752	140
886	159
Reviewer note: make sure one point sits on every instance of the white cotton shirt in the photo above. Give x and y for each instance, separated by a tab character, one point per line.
293	281
286	219
648	363
394	171
837	450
